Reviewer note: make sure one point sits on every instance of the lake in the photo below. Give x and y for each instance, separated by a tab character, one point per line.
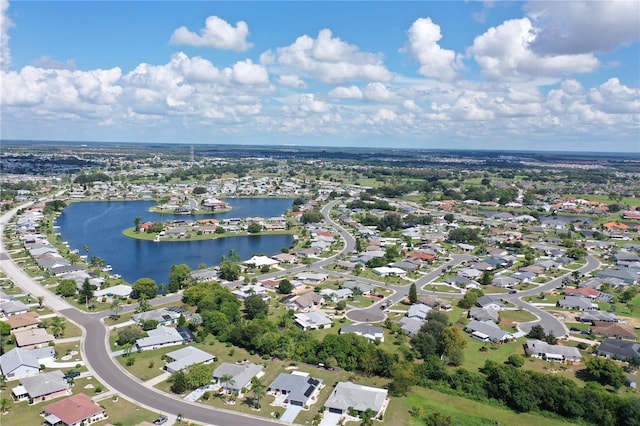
100	224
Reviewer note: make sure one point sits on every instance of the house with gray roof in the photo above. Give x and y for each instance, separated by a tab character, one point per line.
19	363
42	387
163	316
627	275
484	314
13	307
241	375
159	338
370	332
362	287
577	303
592	316
555	353
489	302
297	388
619	349
419	310
411	326
185	357
503	281
358	397
488	331
204	275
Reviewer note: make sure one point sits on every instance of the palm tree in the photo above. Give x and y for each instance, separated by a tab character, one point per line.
57	326
40	301
4	405
259	390
116	306
137	222
227	379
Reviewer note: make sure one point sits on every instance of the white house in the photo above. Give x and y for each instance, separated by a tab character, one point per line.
370	332
185	357
19	363
159	338
313	320
360	398
240	375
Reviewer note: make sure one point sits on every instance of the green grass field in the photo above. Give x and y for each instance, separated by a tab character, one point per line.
462	412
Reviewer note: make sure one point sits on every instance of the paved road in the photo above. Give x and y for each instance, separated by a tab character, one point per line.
97	354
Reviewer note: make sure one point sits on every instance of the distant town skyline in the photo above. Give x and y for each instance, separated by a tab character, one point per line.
549	76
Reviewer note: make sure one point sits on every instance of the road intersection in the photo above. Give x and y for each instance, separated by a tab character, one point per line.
100	361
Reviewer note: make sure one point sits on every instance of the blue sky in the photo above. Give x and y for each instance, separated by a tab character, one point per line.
449	74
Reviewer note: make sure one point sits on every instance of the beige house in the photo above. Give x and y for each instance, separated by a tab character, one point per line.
33	338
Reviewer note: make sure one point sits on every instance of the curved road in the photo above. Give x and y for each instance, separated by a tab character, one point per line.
97	353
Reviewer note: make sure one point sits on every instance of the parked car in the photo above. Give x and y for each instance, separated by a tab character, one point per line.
160	420
586	332
575	329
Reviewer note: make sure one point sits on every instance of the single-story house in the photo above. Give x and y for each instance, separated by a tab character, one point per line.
336	295
42	387
19	363
592	316
488	331
13	307
547	352
503	281
358	397
162	315
285	258
122	291
313	320
484	314
245	291
73	411
386	271
33	338
411	326
160	337
240	375
614	329
365	289
305	301
578	303
311	278
435	302
489	302
372	333
419	310
204	275
619	349
260	261
185	357
24	321
297	388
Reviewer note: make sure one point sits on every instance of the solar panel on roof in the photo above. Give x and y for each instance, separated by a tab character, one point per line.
313	382
309	391
166	317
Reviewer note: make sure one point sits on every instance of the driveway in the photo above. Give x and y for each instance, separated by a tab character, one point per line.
290	413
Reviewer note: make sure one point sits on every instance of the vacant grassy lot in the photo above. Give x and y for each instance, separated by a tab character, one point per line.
463	412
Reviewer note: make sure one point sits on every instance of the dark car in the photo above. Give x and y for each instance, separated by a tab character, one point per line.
160	420
586	332
575	329
513	291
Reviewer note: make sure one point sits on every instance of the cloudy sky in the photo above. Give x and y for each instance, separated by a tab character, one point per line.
560	75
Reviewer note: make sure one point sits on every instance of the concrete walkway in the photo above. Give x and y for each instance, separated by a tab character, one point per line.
161	378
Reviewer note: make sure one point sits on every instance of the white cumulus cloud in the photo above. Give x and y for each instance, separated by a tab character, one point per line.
435	62
331	60
504	52
292	80
5	25
351	92
217	33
